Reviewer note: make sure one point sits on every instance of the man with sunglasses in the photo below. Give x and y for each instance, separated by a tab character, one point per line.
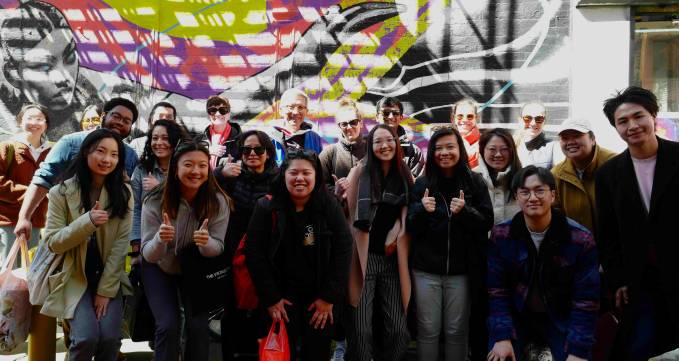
222	134
294	132
390	112
534	148
543	277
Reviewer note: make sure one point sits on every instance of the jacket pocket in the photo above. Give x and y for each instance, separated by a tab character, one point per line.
56	281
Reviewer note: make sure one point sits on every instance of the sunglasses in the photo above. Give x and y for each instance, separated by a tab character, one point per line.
352	123
386	113
259	150
214	110
538	119
93	120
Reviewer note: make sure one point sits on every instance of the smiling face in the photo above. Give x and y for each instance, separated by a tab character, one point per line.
384	145
447	152
535	198
496	154
576	145
294	109
165	113
34	122
533	118
119	120
252	160
465	118
103	158
349	124
192	168
635	124
90	119
160	143
300	179
390	115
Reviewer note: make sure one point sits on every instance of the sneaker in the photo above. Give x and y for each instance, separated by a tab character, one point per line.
340	349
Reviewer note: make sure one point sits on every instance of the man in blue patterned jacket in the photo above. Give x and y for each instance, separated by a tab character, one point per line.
543	278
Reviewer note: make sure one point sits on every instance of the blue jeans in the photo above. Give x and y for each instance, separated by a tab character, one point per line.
443	305
95	338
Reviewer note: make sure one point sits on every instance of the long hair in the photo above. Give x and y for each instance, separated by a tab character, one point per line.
26	107
432	170
175	134
373	165
205	205
514	161
265	141
278	187
118	193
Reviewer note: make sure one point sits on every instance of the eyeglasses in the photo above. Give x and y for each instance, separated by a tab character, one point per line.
538	119
292	107
387	112
259	150
352	123
214	110
525	194
461	117
120	118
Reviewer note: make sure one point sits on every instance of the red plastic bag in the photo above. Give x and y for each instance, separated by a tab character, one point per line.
275	346
246	296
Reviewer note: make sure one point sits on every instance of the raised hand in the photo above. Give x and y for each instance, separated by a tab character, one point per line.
98	216
149	182
166	230
341	186
201	236
230	168
428	202
457	204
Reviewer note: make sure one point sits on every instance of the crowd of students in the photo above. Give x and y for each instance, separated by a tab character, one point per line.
494	242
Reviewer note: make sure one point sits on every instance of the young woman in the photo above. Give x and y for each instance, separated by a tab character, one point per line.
20	157
222	134
153	167
91	117
449	217
377	204
298	252
188	214
498	165
246	180
89	218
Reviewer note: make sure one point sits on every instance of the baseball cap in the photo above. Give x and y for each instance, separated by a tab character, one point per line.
581	125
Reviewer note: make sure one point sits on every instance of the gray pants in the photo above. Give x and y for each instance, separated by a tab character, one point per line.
95	338
382	279
443	305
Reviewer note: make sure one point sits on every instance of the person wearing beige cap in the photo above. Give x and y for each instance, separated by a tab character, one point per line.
575	176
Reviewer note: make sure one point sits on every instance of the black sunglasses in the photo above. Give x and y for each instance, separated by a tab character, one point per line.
538	119
385	113
214	110
352	123
259	150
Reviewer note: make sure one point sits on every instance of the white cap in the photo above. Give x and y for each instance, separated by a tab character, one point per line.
581	125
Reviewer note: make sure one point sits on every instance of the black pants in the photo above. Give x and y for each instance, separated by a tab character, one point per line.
314	343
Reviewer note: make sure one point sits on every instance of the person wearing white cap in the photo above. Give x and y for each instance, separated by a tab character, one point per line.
575	176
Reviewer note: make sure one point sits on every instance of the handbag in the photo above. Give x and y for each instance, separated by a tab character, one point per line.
275	347
15	308
205	279
45	263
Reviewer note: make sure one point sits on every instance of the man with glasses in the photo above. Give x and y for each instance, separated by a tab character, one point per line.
543	277
533	146
637	193
294	133
390	112
161	110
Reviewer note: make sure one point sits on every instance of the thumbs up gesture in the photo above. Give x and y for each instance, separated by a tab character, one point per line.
457	204
166	230
428	202
98	216
149	182
341	186
230	168
201	236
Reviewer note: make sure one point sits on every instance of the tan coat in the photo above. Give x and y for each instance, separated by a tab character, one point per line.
359	257
68	231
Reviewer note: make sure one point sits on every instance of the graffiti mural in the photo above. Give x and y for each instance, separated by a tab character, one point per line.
67	54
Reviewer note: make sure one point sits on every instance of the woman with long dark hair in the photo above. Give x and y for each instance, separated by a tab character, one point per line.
298	251
187	216
449	217
89	219
377	200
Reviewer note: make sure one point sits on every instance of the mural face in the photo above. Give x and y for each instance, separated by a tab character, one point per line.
67	54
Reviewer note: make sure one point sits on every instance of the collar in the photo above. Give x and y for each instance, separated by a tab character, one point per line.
537	142
557	234
23	139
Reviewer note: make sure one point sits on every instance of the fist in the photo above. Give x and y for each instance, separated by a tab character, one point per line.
457	204
217	150
149	182
341	186
428	202
230	169
201	236
166	230
98	216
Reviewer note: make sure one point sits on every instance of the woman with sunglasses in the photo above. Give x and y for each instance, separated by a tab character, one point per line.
465	118
298	252
91	118
187	216
88	221
222	134
377	199
245	180
533	147
449	217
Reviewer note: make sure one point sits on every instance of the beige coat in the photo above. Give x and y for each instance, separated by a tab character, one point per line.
68	231
359	257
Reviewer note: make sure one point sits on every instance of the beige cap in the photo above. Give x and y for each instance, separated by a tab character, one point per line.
581	125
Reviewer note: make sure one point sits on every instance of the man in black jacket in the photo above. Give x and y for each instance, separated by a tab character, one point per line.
390	112
637	193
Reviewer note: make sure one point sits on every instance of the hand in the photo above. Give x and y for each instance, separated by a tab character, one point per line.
575	358
100	306
322	314
230	169
217	150
277	311
98	216
149	182
23	227
135	260
201	236
428	202
341	186
502	351
457	204
621	297
166	230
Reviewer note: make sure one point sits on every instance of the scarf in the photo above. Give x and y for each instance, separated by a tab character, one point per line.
394	192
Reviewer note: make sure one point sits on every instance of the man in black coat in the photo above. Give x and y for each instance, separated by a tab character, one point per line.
637	193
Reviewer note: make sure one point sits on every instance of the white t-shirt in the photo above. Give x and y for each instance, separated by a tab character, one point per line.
645	171
537	237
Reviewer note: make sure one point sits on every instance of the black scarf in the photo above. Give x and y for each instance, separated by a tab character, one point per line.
394	192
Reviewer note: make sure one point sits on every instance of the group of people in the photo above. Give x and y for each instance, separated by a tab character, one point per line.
492	243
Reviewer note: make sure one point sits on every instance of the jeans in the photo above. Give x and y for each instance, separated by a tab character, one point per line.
95	338
443	305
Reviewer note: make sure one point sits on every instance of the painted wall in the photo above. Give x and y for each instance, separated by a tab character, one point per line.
67	54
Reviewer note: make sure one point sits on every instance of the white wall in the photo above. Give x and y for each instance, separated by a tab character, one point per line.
601	41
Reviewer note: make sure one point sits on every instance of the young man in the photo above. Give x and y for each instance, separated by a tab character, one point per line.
294	133
390	112
543	278
161	110
119	115
637	193
533	147
576	174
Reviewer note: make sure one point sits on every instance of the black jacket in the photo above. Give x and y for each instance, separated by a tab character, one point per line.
231	143
331	234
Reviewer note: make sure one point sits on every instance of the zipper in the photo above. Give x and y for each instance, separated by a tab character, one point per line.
450	216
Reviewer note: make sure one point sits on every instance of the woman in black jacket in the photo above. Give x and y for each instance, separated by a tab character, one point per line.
298	251
449	216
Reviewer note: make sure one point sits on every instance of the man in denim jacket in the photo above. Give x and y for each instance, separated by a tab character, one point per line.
543	278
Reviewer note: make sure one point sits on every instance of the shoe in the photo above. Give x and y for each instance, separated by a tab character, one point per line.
340	349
